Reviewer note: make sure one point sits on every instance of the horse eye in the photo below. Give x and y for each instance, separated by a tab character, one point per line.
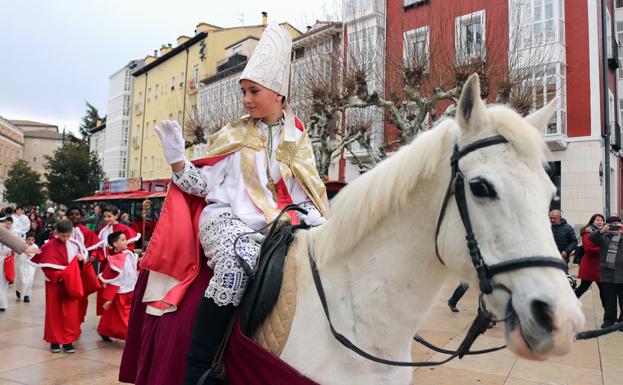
482	189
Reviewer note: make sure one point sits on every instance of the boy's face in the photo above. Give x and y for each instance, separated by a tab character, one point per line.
30	240
74	216
8	225
19	211
109	218
121	244
63	237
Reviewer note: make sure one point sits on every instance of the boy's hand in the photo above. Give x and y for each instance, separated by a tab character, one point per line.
32	250
106	305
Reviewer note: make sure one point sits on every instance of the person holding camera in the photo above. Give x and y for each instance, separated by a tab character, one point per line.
564	235
611	268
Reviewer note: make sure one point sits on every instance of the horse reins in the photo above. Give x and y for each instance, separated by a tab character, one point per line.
485	272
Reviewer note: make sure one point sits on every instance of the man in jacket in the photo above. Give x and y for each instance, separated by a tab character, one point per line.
564	235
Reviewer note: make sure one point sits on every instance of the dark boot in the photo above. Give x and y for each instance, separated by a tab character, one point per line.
211	323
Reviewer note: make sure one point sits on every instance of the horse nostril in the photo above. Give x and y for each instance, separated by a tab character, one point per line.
542	315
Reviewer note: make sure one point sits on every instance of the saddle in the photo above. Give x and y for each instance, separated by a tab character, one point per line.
265	284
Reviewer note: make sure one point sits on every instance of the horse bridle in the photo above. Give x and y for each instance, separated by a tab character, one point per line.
457	188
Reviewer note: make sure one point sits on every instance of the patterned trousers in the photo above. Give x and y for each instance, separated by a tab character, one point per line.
217	235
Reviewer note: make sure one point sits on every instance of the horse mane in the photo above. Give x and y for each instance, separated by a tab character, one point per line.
393	180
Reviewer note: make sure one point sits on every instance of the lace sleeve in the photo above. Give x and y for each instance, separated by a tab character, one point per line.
190	180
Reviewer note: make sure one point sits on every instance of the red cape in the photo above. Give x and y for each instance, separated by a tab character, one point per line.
9	267
91	240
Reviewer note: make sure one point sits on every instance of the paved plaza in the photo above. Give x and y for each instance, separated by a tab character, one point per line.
25	359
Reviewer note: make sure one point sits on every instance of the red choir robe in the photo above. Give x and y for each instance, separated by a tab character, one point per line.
63	290
119	278
90	243
102	252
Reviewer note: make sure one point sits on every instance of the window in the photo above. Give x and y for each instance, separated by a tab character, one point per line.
182	79
156	93
59	144
546	82
34	159
415	50
237	49
619	4
470	35
413	2
36	142
620	110
196	75
172	83
148	94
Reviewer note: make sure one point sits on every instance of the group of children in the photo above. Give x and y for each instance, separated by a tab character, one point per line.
77	262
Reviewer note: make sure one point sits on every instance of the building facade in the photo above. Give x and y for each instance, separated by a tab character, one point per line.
531	40
97	141
40	140
364	23
167	88
118	121
11	149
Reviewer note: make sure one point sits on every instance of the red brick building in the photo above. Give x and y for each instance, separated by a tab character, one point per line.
556	44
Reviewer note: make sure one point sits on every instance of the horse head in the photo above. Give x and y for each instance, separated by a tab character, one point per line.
507	194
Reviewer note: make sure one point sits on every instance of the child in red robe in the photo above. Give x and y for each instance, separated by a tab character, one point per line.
61	261
89	242
111	215
119	278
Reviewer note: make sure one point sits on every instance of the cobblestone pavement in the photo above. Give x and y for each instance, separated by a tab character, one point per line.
25	359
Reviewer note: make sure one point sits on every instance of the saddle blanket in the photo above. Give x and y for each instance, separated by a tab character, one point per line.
249	363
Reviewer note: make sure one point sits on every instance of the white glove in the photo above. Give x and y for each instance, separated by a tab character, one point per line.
170	134
313	218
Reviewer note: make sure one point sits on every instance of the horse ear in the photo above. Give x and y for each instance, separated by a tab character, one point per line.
471	112
541	117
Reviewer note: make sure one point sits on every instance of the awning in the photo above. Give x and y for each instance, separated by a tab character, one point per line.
119	195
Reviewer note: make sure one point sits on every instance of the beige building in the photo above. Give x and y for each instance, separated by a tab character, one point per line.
40	139
11	149
167	88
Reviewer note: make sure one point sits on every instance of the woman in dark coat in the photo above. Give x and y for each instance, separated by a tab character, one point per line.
590	263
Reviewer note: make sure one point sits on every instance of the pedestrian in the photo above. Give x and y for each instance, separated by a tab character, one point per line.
119	278
21	223
61	262
25	272
590	263
89	243
50	216
125	219
254	165
111	215
611	268
564	235
456	296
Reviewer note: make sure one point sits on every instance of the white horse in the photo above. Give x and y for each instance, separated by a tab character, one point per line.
376	255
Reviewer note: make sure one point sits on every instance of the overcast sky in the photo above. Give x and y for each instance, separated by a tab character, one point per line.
55	54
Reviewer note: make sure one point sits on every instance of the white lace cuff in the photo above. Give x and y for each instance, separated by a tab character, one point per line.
190	181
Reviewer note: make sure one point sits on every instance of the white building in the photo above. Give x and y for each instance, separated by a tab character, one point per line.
115	141
364	22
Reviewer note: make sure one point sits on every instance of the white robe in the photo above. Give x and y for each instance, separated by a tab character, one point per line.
24	274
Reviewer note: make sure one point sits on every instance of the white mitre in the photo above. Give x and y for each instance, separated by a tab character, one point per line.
269	66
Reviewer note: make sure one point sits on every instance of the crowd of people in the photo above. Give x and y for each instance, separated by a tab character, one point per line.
79	253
